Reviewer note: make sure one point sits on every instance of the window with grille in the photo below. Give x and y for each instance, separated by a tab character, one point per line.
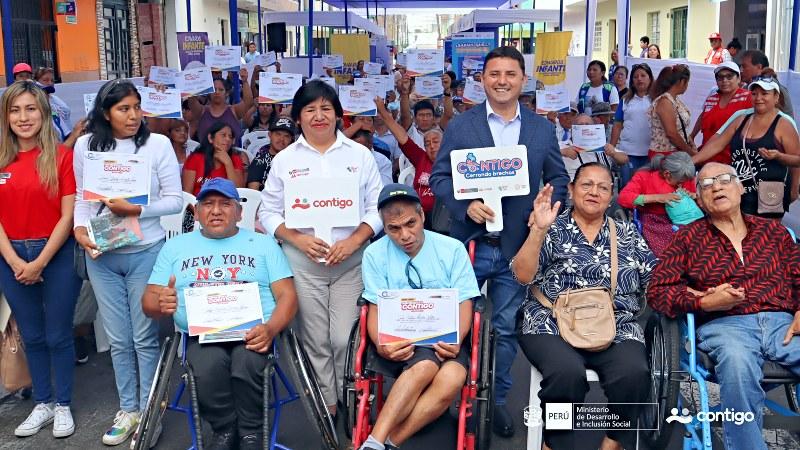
679	21
654	27
598	36
33	33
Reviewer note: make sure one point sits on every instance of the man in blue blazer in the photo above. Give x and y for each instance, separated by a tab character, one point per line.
500	122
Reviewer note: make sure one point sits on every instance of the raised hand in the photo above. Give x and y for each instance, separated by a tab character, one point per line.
544	212
168	298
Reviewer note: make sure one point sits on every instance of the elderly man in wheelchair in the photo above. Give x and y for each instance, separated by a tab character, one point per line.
229	375
409	257
739	275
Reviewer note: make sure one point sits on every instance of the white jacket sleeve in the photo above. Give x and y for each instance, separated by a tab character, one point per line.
271	213
169	179
371	180
83	210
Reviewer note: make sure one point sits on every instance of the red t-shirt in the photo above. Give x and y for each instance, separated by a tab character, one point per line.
35	212
422	173
715	117
196	162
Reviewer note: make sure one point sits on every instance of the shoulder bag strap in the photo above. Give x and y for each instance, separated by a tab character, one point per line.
614	260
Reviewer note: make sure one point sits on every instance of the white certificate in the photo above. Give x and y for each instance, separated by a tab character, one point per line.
265	59
472	64
401	59
225	312
387	82
330	81
358	100
371	84
473	92
425	62
108	175
88	102
530	86
552	100
155	103
278	87
223	58
421	316
429	87
373	68
196	82
322	204
164	75
335	62
589	137
490	174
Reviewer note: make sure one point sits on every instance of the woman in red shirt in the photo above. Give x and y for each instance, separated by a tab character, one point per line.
37	191
214	159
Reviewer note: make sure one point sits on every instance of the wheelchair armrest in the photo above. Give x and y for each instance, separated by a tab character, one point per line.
479	304
362	301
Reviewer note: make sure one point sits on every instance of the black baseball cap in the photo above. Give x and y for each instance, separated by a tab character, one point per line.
396	191
283	123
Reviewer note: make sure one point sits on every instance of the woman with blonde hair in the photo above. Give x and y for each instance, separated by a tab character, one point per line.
37	272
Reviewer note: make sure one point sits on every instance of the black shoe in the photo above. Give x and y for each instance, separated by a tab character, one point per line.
252	442
503	423
224	439
81	350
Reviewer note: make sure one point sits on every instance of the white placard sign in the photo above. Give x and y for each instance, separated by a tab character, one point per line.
265	59
401	59
162	104
322	204
473	92
589	137
335	62
163	75
330	81
88	102
387	82
490	173
421	316
373	68
371	84
358	100
278	87
224	58
530	86
475	65
224	312
196	82
552	100
429	87
108	175
425	62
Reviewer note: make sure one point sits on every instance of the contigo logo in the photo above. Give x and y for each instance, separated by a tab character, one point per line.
335	202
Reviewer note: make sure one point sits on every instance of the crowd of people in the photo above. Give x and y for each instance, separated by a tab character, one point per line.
707	213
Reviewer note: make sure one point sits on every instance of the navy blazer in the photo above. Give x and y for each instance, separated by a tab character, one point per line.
471	130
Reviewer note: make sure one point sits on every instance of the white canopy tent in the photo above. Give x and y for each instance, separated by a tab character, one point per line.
495	18
334	19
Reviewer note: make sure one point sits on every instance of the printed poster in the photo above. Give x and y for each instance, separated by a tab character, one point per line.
357	100
550	63
164	75
162	104
196	82
423	62
223	58
472	46
473	92
278	87
192	47
429	87
335	62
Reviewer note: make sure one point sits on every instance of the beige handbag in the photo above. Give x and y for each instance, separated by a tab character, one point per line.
13	363
585	317
769	193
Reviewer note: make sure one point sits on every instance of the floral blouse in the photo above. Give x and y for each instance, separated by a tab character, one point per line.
659	142
568	261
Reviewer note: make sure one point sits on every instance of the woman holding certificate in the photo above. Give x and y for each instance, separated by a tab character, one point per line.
131	180
36	272
321	200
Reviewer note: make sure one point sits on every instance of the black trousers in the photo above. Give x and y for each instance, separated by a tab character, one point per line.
230	382
622	369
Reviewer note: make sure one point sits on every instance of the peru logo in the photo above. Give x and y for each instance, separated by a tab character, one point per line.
302	205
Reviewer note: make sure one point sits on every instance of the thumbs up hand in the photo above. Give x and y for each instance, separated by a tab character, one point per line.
168	299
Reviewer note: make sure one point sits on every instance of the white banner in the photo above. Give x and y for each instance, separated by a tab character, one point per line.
322	204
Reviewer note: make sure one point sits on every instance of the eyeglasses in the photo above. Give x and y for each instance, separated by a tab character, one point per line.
724	179
725	76
603	188
411	268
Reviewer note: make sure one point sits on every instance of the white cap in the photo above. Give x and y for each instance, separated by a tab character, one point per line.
767	84
730	65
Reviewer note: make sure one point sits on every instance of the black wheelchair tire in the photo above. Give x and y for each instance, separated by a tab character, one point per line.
157	400
304	380
349	397
269	370
198	422
484	407
662	342
791	397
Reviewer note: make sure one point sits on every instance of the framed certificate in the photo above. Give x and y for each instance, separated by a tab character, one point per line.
421	316
108	175
223	313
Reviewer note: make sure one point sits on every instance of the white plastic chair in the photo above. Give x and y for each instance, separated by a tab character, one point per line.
248	138
535	423
251	199
407	176
173	223
254	146
404	162
191	146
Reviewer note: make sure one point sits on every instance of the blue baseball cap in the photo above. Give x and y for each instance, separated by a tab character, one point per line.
222	186
396	191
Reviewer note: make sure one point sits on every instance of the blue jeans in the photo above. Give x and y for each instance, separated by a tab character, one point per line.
506	295
738	345
119	281
627	170
44	315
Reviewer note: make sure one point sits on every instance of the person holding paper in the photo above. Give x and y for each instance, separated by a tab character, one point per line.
327	291
218	108
214	158
37	273
251	52
119	277
500	121
409	257
229	374
424	117
281	135
547	271
574	157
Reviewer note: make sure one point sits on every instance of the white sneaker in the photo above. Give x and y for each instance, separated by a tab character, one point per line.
124	424
41	416
153	440
63	425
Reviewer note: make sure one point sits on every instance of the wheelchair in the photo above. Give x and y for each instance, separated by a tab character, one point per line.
280	388
674	358
363	394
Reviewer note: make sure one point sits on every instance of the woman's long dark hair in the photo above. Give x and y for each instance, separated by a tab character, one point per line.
207	148
631	89
102	139
257	117
667	78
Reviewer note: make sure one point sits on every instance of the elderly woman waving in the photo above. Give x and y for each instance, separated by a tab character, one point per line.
562	256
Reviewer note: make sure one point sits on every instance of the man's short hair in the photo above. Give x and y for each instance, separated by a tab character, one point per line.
423	105
756	57
363	134
645	39
505	52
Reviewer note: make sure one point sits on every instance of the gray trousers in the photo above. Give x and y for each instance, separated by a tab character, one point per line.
327	308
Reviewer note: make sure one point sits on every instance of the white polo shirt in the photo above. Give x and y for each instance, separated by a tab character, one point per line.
299	160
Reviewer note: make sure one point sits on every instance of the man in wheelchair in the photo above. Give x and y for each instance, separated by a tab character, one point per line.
409	257
229	375
740	275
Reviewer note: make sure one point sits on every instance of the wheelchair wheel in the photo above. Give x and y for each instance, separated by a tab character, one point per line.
792	397
157	400
302	376
662	342
484	409
349	397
